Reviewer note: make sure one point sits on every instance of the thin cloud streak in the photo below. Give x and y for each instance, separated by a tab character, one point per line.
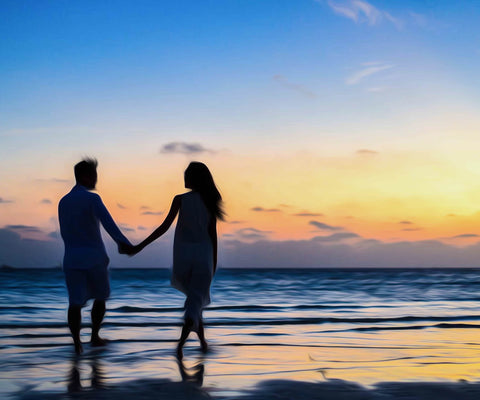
323	226
362	12
280	79
261	209
152	213
184	148
358	76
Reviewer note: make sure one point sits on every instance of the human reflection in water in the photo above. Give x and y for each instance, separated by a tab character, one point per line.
194	374
97	377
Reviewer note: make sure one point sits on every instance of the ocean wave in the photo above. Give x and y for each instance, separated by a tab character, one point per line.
401	322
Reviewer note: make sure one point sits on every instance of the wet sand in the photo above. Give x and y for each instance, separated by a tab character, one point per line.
390	364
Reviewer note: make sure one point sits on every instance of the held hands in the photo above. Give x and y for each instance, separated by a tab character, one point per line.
124	248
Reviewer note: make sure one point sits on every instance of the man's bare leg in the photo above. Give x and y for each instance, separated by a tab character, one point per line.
98	312
74	323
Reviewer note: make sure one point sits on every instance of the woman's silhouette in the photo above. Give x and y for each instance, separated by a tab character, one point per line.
195	246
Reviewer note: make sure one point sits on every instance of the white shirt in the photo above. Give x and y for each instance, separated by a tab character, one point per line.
80	213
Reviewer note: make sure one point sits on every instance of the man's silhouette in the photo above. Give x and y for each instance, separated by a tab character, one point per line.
80	213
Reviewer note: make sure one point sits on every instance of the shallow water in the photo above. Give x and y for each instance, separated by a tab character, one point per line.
365	326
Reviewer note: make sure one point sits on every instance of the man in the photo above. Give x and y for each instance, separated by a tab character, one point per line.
85	262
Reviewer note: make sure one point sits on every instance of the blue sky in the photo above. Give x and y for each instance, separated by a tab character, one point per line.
365	109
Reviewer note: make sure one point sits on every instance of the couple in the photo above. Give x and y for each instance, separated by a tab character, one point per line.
85	262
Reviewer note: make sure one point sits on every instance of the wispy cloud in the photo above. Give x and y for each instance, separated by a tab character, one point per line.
184	148
362	12
336	237
24	228
308	214
141	228
325	227
45	201
121	206
252	234
152	213
367	70
126	228
405	222
465	236
284	82
366	152
4	201
261	209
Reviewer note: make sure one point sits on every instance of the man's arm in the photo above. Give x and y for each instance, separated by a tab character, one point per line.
108	223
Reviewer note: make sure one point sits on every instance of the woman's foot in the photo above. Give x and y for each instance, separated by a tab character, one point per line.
203	346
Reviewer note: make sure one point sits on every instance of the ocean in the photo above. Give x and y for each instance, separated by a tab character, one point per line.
303	325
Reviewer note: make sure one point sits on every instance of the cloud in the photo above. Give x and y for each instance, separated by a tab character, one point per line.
121	206
336	237
152	213
411	229
405	222
261	209
28	253
141	228
280	79
54	180
45	201
367	71
23	228
126	228
3	201
184	148
145	208
235	222
251	234
316	253
362	12
308	214
366	152
465	236
325	227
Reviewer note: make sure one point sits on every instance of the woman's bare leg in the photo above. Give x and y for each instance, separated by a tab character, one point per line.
186	329
201	336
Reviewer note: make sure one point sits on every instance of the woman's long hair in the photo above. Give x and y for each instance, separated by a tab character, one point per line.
199	179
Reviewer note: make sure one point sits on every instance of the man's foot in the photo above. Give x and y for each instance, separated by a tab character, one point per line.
78	348
179	352
98	342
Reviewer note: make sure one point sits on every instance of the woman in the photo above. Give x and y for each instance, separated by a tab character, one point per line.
195	246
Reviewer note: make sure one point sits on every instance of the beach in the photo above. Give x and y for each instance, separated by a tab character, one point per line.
354	339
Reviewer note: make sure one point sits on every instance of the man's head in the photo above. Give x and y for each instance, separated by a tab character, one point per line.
86	173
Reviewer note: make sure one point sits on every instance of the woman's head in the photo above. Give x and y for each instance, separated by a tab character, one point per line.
198	178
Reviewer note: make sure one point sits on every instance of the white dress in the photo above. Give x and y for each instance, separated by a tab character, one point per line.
193	255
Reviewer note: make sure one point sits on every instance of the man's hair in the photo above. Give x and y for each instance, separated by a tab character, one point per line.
86	167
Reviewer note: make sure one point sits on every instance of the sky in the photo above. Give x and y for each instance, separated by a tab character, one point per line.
341	133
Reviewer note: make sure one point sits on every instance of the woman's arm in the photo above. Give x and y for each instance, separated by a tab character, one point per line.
162	228
212	231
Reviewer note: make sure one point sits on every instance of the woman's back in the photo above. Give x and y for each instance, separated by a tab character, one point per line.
193	219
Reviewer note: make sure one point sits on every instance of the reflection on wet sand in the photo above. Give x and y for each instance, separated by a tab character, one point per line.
193	374
97	376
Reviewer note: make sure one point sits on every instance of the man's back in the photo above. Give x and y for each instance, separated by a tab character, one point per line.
80	213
